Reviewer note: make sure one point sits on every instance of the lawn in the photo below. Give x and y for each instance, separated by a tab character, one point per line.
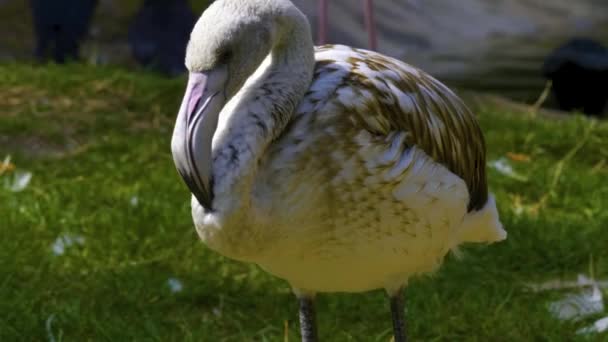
100	245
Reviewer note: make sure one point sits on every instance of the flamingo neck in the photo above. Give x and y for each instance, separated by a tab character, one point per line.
257	115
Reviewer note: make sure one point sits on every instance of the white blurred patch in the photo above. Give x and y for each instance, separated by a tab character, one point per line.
19	181
518	210
65	241
175	285
559	284
578	305
599	326
49	327
503	166
134	201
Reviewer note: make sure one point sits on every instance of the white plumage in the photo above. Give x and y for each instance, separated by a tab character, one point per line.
337	169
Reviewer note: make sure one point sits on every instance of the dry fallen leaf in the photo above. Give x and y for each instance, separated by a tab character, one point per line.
518	157
6	165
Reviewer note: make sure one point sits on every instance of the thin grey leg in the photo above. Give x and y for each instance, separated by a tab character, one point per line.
308	320
398	313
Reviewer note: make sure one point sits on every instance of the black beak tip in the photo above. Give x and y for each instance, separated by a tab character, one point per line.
202	196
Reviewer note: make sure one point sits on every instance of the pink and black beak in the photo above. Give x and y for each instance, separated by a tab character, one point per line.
194	129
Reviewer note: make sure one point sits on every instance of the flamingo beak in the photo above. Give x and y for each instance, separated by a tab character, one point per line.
194	129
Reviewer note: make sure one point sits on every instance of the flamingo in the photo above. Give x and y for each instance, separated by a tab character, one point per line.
337	169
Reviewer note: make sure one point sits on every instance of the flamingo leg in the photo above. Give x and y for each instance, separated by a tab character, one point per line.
398	314
323	22
308	321
370	24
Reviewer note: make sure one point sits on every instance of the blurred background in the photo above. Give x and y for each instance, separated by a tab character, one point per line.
489	45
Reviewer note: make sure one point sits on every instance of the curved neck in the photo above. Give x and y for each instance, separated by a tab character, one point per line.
258	114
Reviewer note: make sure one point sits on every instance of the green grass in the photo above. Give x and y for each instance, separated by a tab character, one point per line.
96	137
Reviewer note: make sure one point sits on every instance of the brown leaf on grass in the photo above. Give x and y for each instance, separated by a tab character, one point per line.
518	157
6	166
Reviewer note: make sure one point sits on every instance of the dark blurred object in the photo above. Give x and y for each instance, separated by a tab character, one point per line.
60	26
579	71
159	34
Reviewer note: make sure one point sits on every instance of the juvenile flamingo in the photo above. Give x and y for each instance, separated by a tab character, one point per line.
337	169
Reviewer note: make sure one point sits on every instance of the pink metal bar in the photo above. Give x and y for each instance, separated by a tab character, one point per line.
323	22
370	25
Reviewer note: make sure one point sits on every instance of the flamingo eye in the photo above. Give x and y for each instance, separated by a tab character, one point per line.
225	56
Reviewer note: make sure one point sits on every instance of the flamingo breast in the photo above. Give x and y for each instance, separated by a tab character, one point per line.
369	214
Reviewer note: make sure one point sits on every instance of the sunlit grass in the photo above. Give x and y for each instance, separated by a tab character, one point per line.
97	143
